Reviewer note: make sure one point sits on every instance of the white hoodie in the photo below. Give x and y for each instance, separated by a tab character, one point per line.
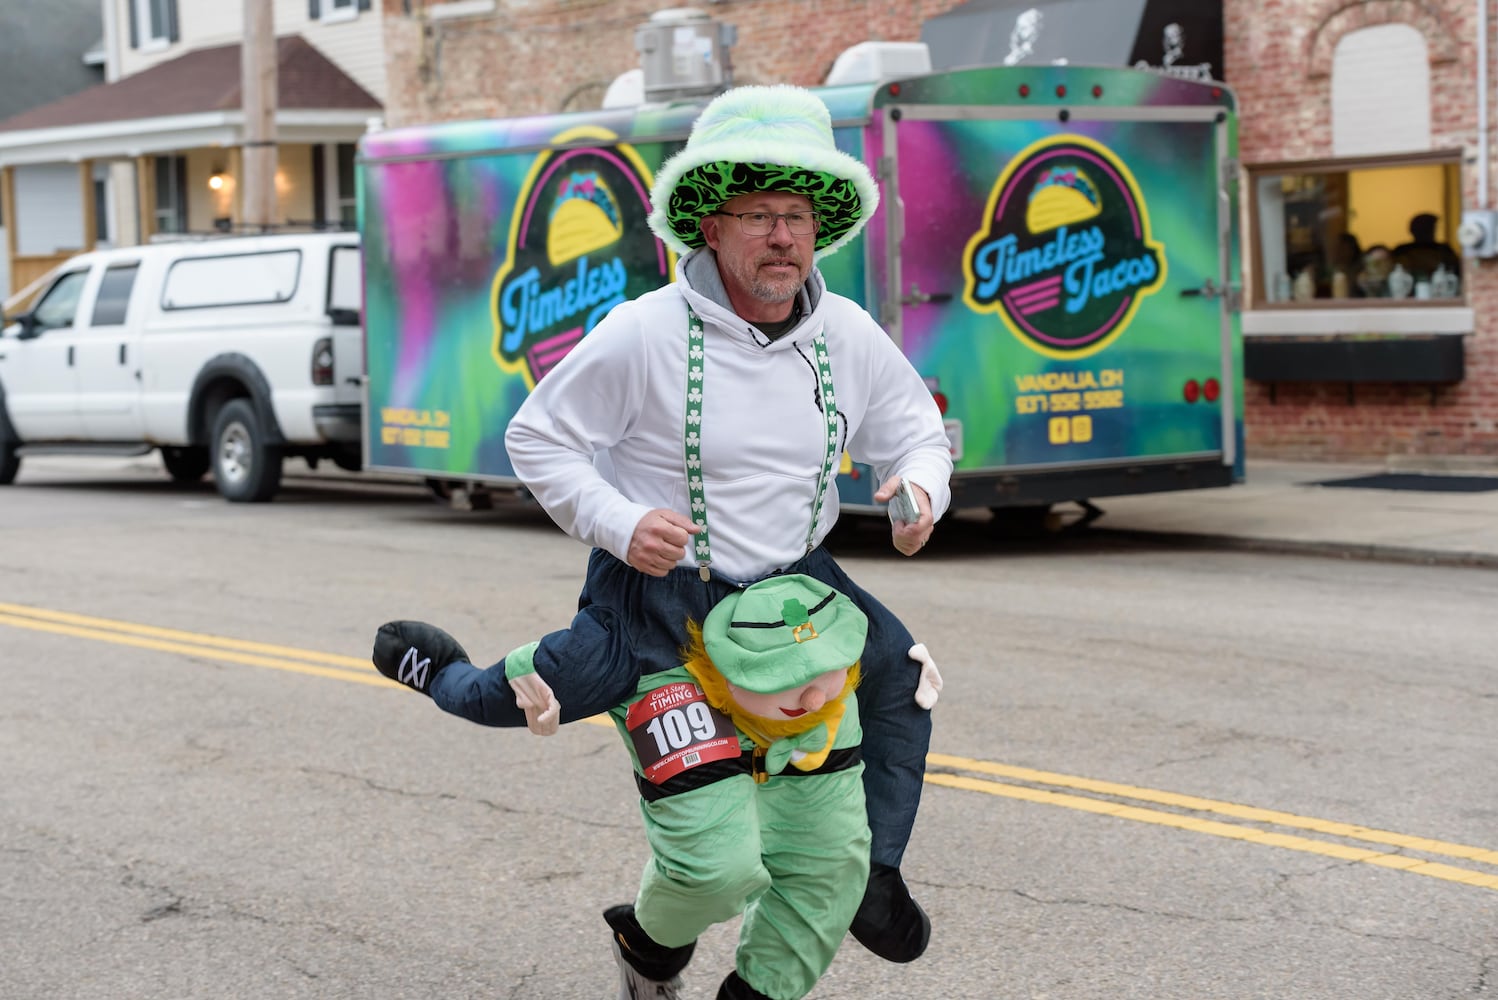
599	441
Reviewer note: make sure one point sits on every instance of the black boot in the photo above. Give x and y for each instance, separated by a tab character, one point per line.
734	988
413	653
889	923
656	966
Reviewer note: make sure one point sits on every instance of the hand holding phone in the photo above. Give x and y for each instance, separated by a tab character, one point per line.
903	505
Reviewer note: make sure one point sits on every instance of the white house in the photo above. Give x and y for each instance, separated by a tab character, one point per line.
157	148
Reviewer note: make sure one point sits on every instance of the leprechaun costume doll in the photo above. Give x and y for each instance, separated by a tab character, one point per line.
747	761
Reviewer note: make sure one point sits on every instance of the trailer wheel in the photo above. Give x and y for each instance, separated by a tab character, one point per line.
1028	521
185	465
246	469
10	462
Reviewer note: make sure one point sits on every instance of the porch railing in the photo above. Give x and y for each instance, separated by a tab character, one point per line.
28	275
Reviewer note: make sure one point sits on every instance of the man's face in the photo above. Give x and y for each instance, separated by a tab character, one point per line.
762	274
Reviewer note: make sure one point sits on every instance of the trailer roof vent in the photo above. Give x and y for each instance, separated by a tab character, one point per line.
870	62
684	53
626	91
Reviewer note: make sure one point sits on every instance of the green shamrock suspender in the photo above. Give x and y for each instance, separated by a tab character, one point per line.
692	438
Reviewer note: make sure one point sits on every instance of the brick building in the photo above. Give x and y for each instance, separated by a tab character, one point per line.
1356	117
1365	108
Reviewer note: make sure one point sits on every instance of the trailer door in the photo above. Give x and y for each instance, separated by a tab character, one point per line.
1058	280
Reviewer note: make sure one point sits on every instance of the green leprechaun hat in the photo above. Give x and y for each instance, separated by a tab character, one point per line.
783	632
752	139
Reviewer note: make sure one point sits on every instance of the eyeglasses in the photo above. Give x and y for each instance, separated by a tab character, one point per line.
763	223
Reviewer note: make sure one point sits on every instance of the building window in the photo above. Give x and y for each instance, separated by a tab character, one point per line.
101	210
1380	92
334	201
1358	232
335	10
171	194
153	23
347	202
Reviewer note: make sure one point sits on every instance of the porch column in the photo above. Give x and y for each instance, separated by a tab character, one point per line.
145	188
236	174
8	213
90	214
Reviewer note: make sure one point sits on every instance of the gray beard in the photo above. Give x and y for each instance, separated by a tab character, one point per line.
702	272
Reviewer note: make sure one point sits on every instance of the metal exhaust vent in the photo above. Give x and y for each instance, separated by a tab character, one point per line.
684	53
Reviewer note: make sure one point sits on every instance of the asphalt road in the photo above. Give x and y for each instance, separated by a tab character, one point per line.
1157	772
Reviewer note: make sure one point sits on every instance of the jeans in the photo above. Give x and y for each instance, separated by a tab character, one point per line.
629	624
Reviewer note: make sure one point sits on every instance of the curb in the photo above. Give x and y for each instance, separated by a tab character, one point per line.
1368	552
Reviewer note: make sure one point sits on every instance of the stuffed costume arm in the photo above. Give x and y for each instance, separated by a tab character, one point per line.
930	684
534	696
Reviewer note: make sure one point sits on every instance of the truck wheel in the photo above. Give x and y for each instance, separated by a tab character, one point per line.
10	462
185	465
246	469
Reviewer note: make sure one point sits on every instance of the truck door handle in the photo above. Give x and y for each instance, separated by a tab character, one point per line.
122	354
70	355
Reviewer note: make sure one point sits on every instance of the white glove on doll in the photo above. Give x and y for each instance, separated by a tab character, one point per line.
543	713
929	687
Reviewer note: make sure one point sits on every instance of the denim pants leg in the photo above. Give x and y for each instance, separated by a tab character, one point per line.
627	625
896	731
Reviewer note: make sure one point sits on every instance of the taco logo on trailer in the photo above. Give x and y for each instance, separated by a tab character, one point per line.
1065	255
578	246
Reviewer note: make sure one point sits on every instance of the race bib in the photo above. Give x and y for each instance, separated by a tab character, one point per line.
674	729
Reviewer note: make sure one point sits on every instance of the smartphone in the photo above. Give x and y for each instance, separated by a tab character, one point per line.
903	505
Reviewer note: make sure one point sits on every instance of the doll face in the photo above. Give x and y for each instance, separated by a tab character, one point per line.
795	702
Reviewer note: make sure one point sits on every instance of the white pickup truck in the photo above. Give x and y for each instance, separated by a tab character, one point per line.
227	354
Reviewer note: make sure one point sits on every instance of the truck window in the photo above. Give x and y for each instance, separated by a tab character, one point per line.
232	280
114	295
345	286
60	305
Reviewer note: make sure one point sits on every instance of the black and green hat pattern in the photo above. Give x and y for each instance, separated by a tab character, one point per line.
753	139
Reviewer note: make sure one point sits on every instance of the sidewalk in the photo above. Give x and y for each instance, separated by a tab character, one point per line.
1279	507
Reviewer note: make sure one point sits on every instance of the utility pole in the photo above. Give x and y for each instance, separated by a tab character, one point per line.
258	85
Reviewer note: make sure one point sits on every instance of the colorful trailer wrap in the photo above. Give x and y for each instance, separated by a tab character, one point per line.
1055	253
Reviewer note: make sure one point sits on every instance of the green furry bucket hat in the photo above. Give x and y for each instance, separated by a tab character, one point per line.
752	139
783	632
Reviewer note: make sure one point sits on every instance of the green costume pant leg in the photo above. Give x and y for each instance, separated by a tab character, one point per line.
815	842
790	854
705	864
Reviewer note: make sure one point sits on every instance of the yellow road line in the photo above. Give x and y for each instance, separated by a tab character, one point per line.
1217	828
202	649
42	614
361	671
1250	813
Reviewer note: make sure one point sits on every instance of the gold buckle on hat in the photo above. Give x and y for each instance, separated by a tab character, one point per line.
807	627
